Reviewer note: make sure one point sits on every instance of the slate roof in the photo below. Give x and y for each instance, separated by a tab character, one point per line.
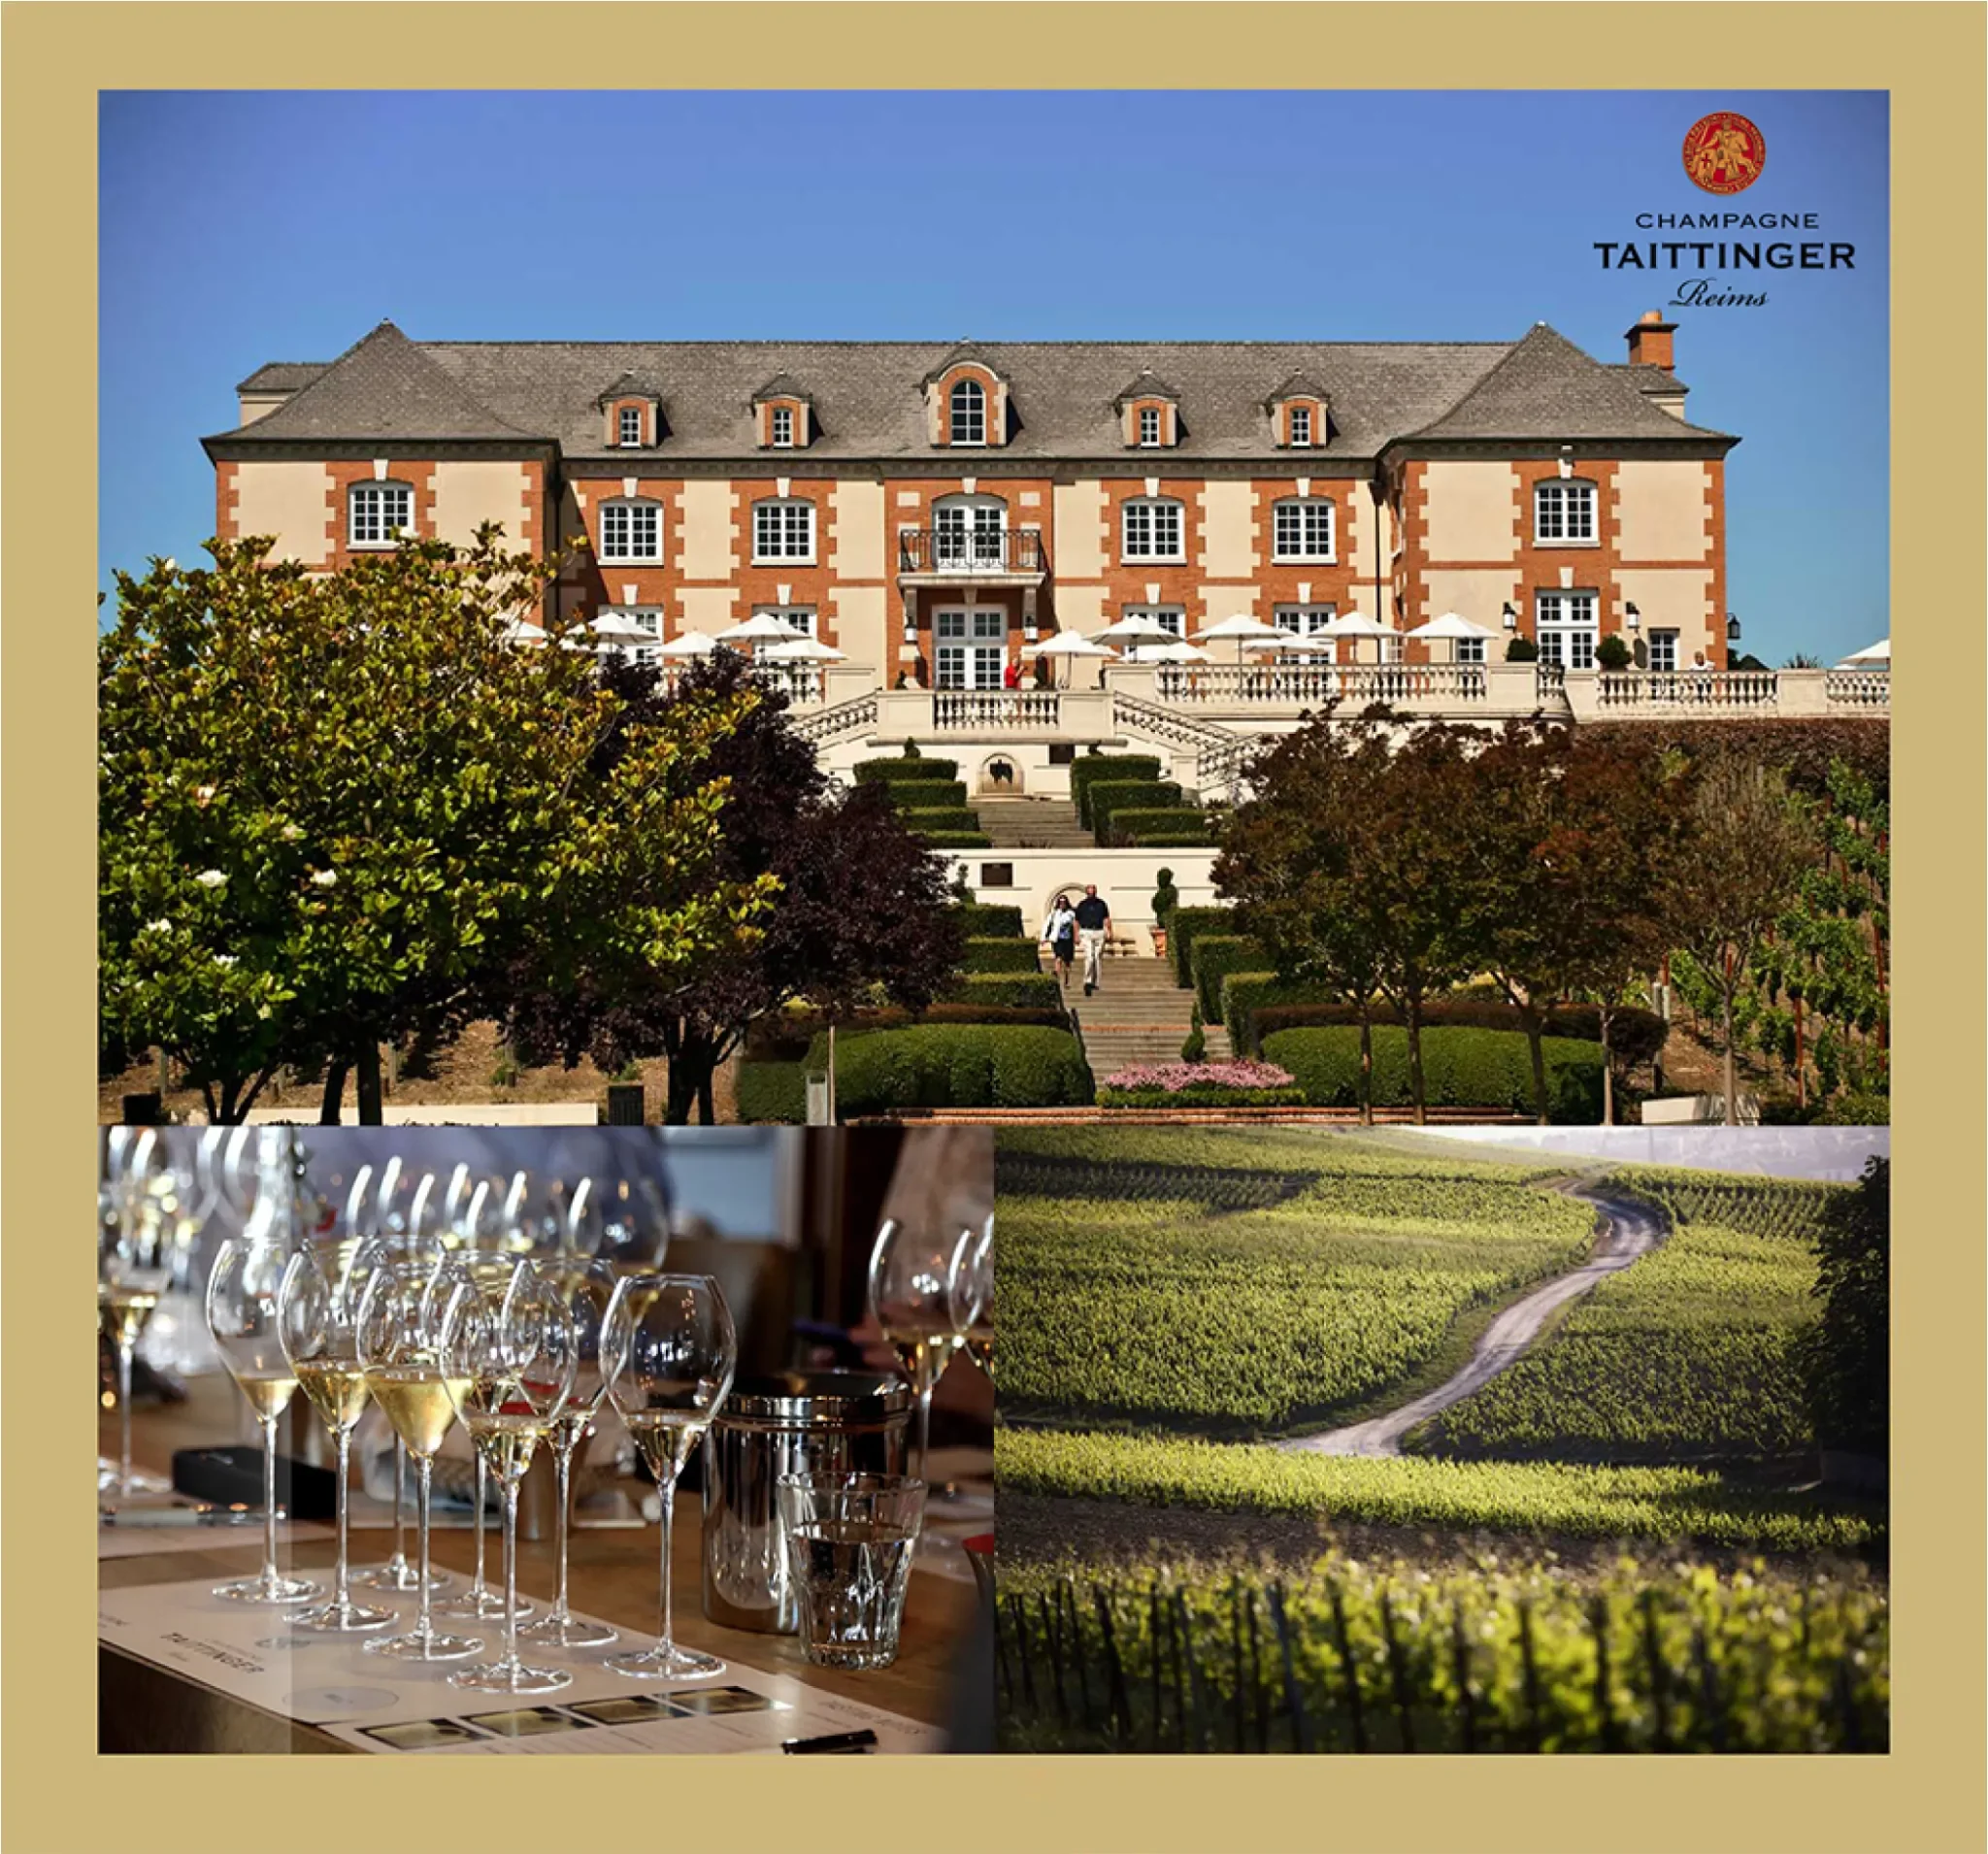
282	375
780	386
627	385
870	399
1145	385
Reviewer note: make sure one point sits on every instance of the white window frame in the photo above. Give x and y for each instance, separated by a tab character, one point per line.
977	543
1300	431
650	619
1567	628
1305	512
801	616
622	417
775	520
1301	620
614	551
1566	513
1153	419
779	427
1147	510
979	638
1469	650
377	496
1172	617
966	412
1665	640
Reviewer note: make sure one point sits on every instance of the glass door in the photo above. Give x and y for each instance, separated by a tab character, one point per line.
971	647
966	534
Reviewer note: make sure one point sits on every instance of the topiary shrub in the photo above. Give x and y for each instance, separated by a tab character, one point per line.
1215	957
1094	767
1113	795
1195	1048
1188	924
1001	955
1613	653
1028	991
924	795
941	818
989	920
1489	1070
1166	897
1521	650
957	1065
1130	828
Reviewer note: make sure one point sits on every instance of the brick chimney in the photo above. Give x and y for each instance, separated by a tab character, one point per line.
1649	342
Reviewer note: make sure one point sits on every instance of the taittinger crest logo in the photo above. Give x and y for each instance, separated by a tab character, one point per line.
1724	153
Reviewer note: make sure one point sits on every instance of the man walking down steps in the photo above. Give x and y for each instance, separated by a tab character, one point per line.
1093	929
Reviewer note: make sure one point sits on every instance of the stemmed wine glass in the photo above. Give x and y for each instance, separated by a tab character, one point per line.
509	1364
133	1276
585	1285
970	1290
620	1220
241	1296
483	1242
910	1271
400	1333
404	1219
317	1313
668	1352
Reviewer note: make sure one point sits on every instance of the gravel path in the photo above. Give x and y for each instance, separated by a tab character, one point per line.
1631	1230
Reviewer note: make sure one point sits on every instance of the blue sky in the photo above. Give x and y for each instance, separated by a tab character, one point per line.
237	228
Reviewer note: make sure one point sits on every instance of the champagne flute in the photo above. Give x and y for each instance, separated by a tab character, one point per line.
910	1277
668	1352
317	1311
405	1219
480	1240
399	1329
132	1278
970	1289
509	1365
621	1220
585	1285
242	1292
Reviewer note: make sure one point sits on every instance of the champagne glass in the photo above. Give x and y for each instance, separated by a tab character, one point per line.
480	1238
402	1317
621	1220
668	1352
133	1276
509	1364
910	1277
317	1313
241	1293
405	1219
585	1285
970	1289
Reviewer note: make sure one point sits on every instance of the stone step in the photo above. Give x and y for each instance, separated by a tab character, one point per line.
1026	823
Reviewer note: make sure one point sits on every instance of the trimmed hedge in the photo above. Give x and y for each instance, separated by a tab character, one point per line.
1635	1036
785	1038
1182	927
1201	1098
1027	991
957	839
928	794
1088	768
1001	955
1130	827
989	920
889	771
1215	957
1105	796
957	1065
772	1091
941	818
1178	840
1489	1070
1244	994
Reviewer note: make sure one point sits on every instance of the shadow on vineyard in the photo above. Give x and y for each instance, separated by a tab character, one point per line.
1213	1188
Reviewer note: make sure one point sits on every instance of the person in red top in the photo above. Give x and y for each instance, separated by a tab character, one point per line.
1011	678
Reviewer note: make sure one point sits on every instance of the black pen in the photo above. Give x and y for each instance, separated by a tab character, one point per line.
845	1742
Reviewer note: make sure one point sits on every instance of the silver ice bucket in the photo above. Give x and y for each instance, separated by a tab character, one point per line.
784	1423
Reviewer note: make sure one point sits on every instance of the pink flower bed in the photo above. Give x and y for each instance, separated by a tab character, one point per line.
1173	1076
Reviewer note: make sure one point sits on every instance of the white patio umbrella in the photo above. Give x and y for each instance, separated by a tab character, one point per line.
1879	652
689	643
1173	650
1453	626
761	628
1071	645
1131	631
611	624
801	649
1242	625
1353	625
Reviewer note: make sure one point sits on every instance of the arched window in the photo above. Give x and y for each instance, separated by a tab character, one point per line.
1153	530
1564	511
1301	529
379	513
631	530
783	530
967	531
969	405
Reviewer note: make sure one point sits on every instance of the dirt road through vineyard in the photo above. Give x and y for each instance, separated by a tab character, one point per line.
1631	1230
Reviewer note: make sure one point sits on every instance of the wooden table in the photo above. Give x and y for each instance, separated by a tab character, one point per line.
613	1573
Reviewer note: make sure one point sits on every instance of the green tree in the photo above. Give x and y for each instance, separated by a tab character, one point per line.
339	810
1846	1356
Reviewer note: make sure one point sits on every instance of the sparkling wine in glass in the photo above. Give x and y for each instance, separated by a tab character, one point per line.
668	1353
134	1274
509	1363
971	1289
400	1331
243	1292
317	1315
585	1285
911	1273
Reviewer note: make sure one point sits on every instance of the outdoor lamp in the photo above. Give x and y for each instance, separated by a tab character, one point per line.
1733	626
1634	616
1510	617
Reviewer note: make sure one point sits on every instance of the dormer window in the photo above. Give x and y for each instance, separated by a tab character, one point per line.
782	427
967	413
1150	425
1300	413
628	425
1301	426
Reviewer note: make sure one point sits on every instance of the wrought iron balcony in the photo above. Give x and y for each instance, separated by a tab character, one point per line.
966	554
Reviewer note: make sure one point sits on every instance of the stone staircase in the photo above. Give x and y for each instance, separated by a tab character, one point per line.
1137	1014
1032	823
